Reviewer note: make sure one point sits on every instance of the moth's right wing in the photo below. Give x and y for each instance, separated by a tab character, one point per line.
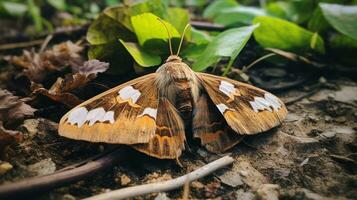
211	128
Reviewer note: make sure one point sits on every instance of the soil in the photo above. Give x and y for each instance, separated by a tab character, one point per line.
312	155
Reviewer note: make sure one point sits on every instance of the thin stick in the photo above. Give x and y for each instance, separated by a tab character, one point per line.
183	35
166	185
168	33
245	69
20	44
34	186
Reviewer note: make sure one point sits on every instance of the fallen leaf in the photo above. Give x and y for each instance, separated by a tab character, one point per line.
60	90
8	137
12	107
36	66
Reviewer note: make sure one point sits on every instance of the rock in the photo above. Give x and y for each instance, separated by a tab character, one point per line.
124	180
268	192
249	175
68	197
345	133
46	166
328	134
231	177
4	167
155	178
347	94
162	196
291	117
303	193
242	195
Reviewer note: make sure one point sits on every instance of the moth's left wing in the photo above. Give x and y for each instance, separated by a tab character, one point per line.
125	114
247	109
168	142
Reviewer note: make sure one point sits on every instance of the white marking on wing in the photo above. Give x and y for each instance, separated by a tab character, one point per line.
222	108
227	88
149	111
269	101
129	92
109	116
95	115
78	116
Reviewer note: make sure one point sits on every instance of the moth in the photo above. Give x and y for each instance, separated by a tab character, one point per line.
154	112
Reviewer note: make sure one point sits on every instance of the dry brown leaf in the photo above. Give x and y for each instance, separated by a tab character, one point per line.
12	107
60	90
8	137
36	66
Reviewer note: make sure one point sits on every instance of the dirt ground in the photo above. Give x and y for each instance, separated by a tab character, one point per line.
312	155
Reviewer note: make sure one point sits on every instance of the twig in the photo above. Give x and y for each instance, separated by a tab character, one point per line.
21	44
298	98
166	185
33	186
207	26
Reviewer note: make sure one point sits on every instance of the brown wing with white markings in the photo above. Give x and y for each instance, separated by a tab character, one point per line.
247	109
211	128
168	142
125	114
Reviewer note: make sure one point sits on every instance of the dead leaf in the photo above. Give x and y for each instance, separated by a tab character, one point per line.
8	137
36	66
60	90
12	107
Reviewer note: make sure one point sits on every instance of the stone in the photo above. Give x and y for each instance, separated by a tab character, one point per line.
268	192
125	180
46	166
242	195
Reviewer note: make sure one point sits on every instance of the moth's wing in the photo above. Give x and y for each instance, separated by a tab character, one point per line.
211	128
247	109
168	142
125	114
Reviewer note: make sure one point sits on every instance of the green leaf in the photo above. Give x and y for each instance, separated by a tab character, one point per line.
317	22
106	29
281	34
143	58
297	11
238	15
217	6
342	18
340	41
151	33
13	8
200	37
227	44
58	4
179	18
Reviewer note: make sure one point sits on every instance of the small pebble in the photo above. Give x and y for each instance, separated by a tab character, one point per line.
5	167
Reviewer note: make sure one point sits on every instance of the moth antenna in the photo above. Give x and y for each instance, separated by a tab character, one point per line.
169	35
183	35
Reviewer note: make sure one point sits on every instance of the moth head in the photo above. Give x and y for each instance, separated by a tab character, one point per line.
173	59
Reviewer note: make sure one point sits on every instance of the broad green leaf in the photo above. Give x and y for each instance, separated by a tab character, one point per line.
217	6
297	11
106	29
179	18
193	51
342	18
200	37
238	15
317	22
14	8
143	58
281	34
151	33
227	44
123	13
